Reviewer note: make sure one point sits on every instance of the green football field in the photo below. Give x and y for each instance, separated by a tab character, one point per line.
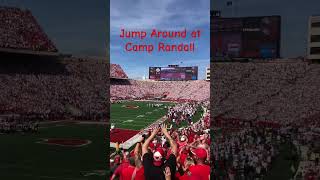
21	157
136	115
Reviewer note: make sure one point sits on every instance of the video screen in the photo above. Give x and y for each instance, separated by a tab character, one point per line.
250	37
173	73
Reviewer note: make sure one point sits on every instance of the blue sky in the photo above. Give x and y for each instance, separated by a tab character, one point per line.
294	14
78	27
162	15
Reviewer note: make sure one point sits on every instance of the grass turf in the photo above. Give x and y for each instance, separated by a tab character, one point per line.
136	119
23	158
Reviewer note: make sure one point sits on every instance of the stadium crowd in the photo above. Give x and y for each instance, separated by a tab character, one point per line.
259	109
78	93
168	90
280	91
307	138
20	30
15	123
117	72
181	112
244	151
186	149
168	153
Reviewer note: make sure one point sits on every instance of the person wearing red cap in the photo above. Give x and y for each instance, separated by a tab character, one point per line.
126	172
200	169
134	170
125	163
185	167
153	163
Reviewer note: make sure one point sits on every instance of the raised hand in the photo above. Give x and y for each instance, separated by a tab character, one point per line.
167	173
155	131
140	139
164	129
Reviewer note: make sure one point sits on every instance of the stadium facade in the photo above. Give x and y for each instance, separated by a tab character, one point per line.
208	73
313	52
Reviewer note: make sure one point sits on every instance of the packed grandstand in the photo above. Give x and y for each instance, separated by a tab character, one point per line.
265	119
48	101
20	30
70	87
266	113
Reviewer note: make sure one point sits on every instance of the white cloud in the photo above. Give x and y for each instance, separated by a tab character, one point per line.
160	14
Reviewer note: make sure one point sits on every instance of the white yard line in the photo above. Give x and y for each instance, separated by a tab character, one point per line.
81	145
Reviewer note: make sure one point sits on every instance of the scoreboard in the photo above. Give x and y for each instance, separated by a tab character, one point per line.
173	73
247	37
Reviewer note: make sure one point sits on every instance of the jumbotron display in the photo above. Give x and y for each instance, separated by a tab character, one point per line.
247	37
173	73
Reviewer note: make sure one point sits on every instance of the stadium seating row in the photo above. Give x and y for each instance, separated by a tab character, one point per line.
20	30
